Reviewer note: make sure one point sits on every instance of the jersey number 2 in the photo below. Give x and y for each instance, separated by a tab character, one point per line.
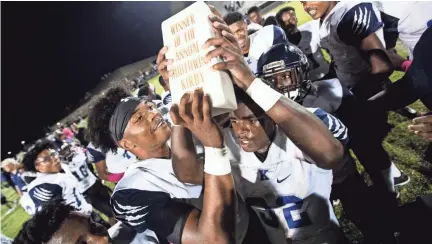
293	216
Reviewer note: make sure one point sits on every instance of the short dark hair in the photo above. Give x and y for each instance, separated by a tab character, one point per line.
99	117
271	20
143	91
31	155
233	17
42	226
253	9
281	11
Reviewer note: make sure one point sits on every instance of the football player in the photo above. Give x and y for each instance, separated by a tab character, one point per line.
356	46
285	69
149	196
281	154
57	222
110	166
254	45
97	194
49	183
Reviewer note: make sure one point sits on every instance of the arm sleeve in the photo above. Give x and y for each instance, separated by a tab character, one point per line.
335	126
358	23
156	211
43	193
94	155
391	33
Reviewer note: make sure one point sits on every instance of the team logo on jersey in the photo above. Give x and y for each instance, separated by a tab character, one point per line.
280	181
262	173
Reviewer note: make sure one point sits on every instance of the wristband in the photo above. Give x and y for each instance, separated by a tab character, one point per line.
115	177
216	161
406	64
265	96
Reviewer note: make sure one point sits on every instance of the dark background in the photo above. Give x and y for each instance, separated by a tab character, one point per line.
52	53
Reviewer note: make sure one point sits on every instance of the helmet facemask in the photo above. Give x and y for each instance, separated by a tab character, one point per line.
290	81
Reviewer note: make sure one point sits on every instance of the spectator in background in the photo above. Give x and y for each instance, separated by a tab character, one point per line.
255	16
166	94
11	166
67	133
288	21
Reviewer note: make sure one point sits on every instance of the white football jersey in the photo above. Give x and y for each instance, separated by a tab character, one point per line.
79	169
261	41
115	162
342	31
27	203
49	186
150	189
288	191
412	18
309	44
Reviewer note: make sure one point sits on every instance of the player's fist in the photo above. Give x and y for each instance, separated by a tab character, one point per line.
422	126
195	114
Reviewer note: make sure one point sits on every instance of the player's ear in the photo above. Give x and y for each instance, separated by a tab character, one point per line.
126	144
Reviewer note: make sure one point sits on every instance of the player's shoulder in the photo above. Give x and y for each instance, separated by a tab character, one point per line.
312	25
139	175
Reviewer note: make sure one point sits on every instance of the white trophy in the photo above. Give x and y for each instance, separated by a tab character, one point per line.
184	34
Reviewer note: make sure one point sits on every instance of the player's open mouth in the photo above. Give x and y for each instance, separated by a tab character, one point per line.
159	123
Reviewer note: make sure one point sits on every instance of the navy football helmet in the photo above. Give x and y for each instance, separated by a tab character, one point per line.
284	67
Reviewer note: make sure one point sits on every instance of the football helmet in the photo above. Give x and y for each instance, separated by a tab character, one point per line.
284	67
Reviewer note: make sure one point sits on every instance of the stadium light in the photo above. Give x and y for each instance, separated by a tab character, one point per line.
22	142
9	153
58	123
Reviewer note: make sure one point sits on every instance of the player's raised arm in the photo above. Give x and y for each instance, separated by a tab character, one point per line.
363	33
216	222
301	126
186	166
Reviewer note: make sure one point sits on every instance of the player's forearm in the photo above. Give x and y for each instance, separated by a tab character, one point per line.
185	163
380	63
217	220
218	217
302	127
396	59
307	132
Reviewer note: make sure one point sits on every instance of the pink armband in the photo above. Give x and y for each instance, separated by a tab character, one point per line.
115	177
405	65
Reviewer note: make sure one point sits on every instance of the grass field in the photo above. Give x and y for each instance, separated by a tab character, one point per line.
405	149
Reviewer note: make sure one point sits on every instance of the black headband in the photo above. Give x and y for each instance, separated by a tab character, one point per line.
121	116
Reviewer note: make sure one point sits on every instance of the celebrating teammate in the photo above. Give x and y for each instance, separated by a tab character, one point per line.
282	153
50	183
93	190
254	45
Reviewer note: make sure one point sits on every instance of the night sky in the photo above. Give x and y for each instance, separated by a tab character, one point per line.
52	53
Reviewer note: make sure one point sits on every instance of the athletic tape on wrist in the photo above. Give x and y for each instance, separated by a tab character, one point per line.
216	161
265	96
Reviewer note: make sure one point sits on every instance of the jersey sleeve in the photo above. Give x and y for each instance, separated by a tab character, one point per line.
43	193
335	126
94	155
358	23
391	33
156	211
